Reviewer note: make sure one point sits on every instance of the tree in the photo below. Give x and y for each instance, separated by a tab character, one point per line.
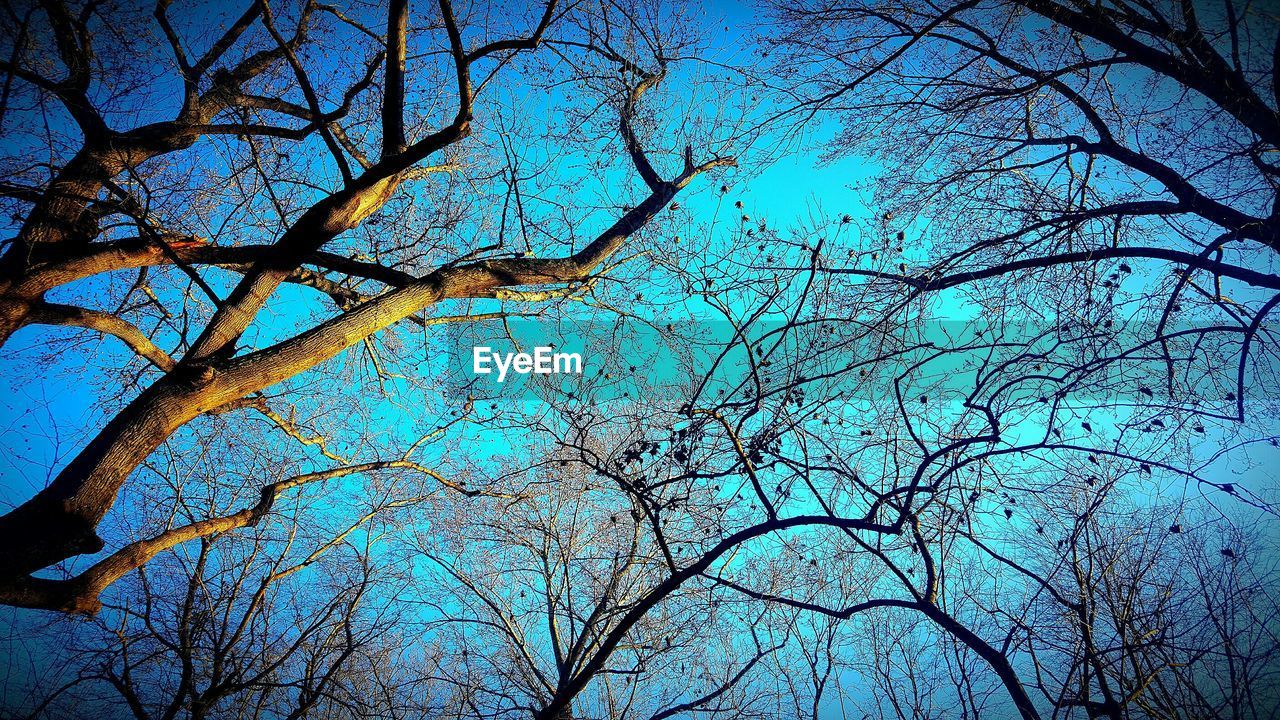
1095	180
293	617
72	229
988	446
568	608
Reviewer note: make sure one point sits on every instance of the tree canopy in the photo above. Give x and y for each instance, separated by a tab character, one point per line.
928	359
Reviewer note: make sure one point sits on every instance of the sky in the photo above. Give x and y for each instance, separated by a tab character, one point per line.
50	408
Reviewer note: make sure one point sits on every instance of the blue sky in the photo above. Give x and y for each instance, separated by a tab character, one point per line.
55	397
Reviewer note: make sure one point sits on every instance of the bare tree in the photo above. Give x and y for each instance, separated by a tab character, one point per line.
564	607
291	618
965	451
1048	165
71	231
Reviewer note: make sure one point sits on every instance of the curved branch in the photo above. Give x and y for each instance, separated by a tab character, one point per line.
80	593
996	659
70	315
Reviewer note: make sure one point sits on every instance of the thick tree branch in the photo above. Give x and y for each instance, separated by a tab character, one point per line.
393	138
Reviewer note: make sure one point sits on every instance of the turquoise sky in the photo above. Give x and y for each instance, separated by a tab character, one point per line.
55	398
